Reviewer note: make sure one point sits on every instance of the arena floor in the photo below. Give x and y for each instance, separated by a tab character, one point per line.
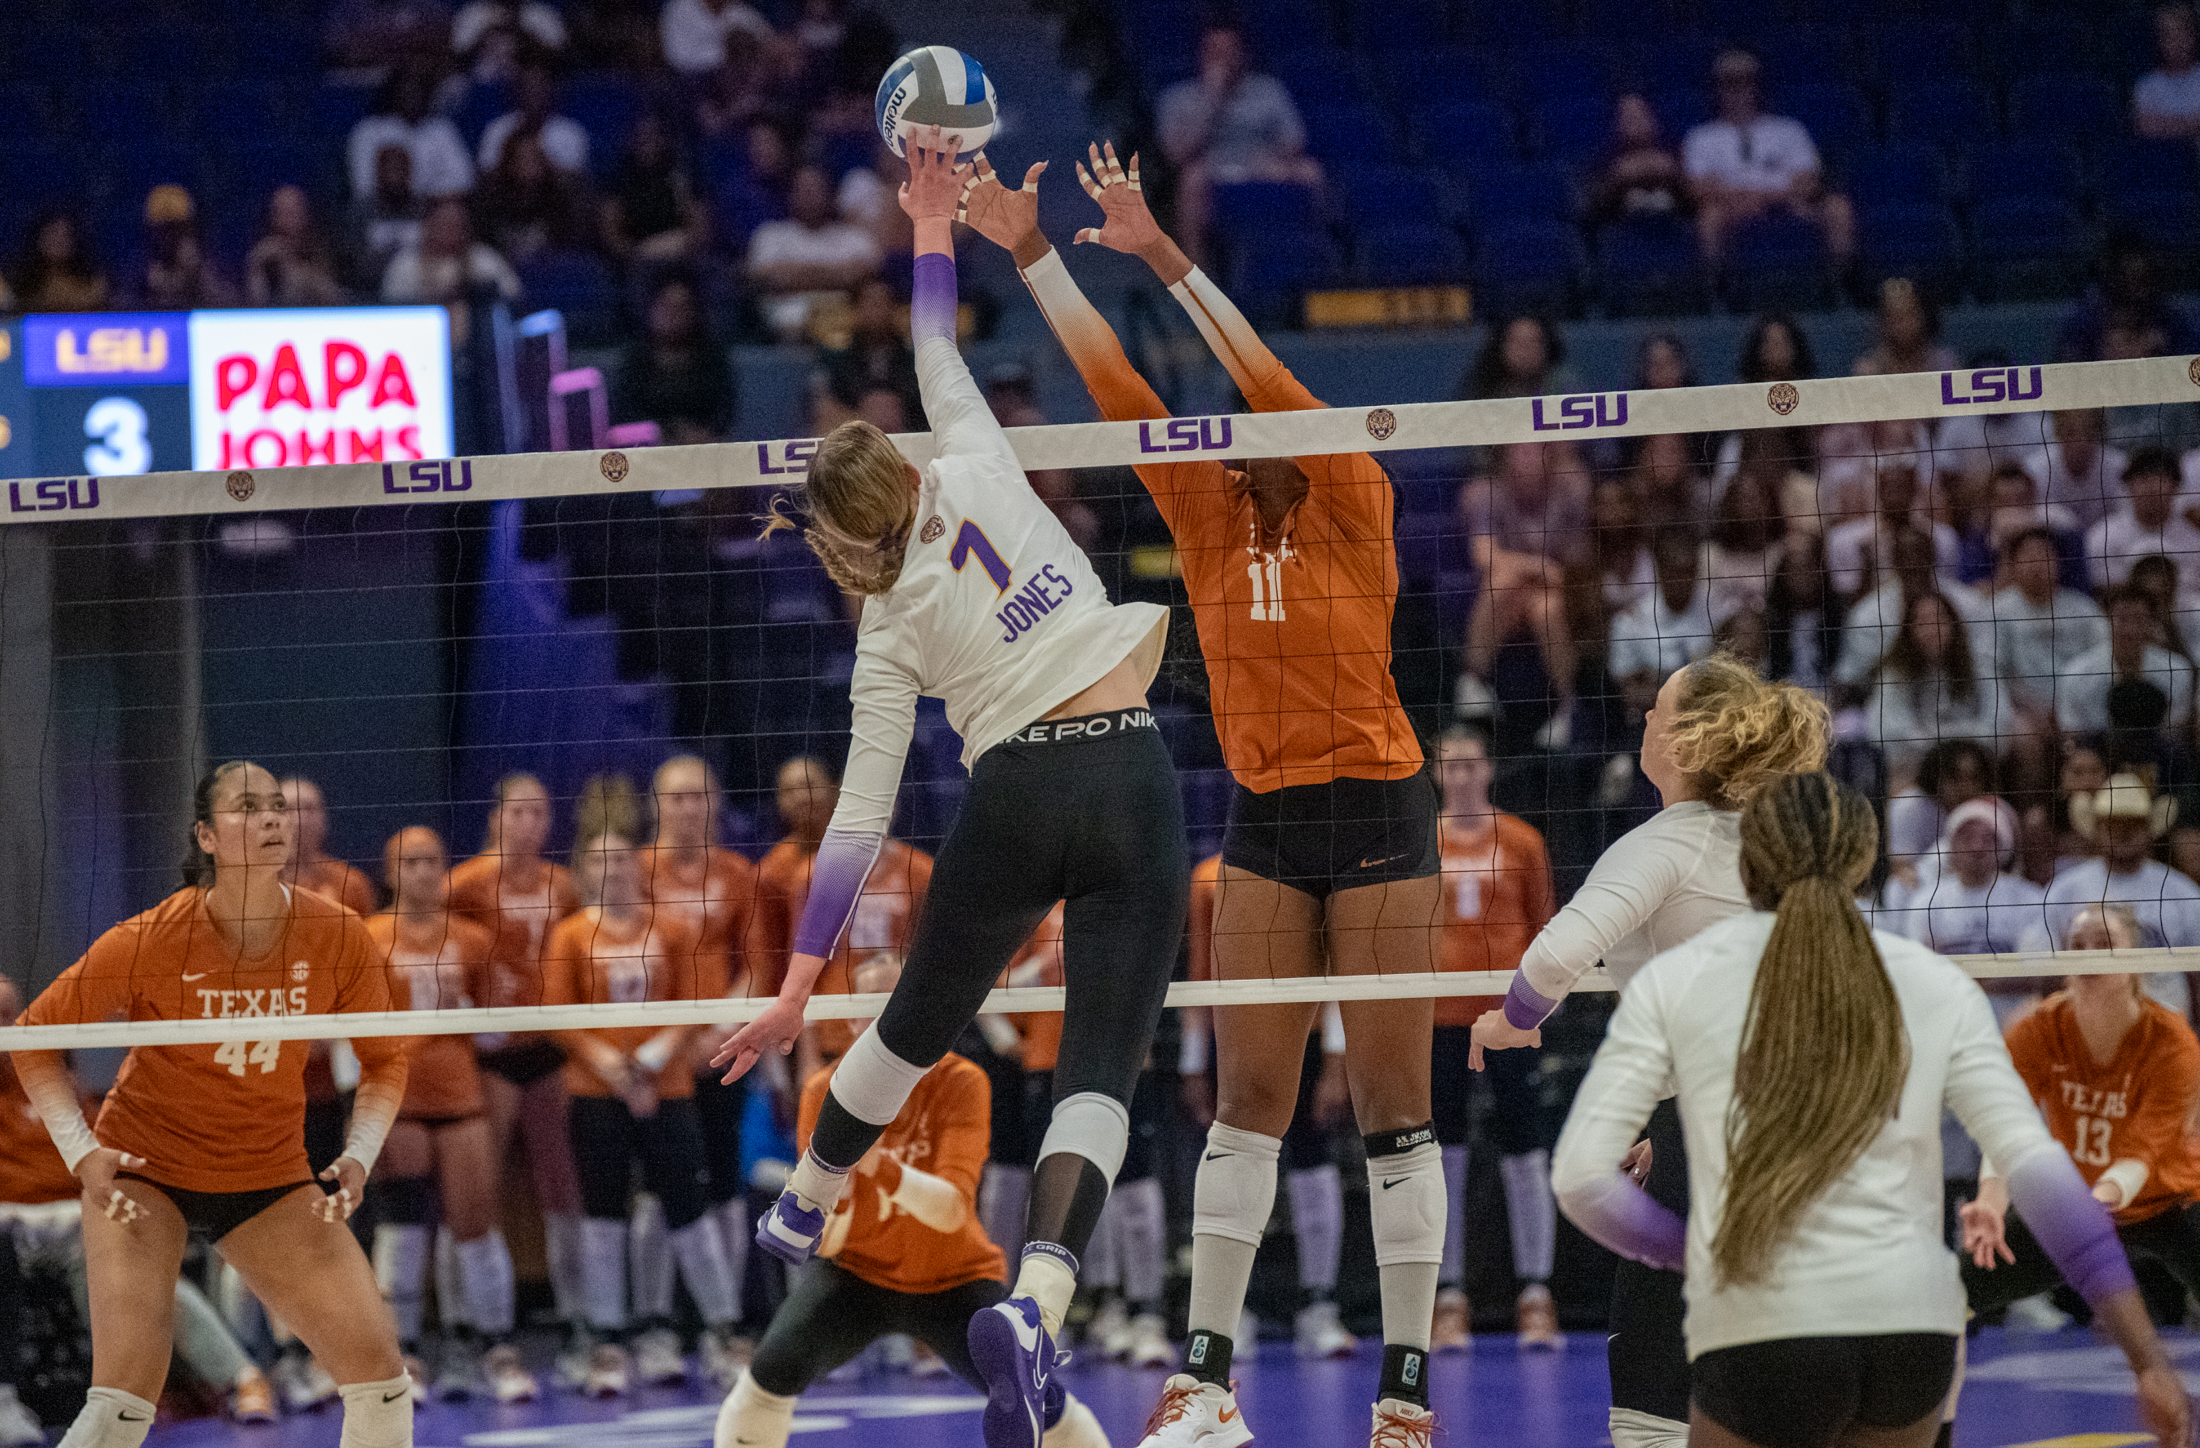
2030	1390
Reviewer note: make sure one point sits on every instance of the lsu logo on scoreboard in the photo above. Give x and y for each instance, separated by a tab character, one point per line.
53	495
1186	434
1589	409
445	475
1991	384
74	351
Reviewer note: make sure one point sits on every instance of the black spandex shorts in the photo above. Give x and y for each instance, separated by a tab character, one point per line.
1809	1392
526	1064
1321	838
214	1215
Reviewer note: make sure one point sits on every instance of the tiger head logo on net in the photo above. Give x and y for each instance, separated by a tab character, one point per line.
1783	398
1381	423
241	485
613	467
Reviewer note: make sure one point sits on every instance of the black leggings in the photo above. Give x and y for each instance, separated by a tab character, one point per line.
2171	1238
608	1139
1808	1392
1096	823
1647	1354
14	1301
831	1315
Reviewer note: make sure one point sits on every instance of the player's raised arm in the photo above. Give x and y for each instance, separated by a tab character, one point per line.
961	421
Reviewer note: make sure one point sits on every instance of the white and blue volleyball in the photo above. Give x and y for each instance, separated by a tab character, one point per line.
936	85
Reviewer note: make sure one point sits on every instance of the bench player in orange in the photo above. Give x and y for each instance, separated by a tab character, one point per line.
1330	859
211	1138
633	1100
441	1149
902	1252
311	864
1497	895
514	893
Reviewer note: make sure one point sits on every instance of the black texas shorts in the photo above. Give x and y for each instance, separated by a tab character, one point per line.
1321	838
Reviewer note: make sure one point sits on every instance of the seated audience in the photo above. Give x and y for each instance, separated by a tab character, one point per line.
292	264
2123	819
2076	466
1870	624
1928	689
810	257
535	108
694	33
651	213
1670	488
2133	650
446	266
1641	175
1854	455
1860	554
1907	335
2132	292
1662	362
1749	540
527	206
1775	350
676	375
177	275
2041	629
1670	628
1965	901
383	222
2165	104
495	40
878	355
1522	356
1229	126
2146	522
57	271
1008	391
753	190
404	115
1952	773
1745	164
2014	509
1980	445
1525	527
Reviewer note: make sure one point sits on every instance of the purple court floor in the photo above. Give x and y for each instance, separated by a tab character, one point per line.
2038	1390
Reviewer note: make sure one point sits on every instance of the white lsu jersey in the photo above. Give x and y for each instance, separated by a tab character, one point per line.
997	612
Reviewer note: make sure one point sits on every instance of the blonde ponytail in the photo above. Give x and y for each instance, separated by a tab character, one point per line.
1823	1053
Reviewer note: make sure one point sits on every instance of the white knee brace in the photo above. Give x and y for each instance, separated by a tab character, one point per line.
873	1083
1236	1187
1406	1205
1090	1125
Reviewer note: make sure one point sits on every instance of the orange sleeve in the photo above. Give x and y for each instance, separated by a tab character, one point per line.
813	1102
563	892
2156	1132
363	984
962	1132
2032	1051
560	971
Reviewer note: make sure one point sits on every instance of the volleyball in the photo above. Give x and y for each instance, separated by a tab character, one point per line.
936	85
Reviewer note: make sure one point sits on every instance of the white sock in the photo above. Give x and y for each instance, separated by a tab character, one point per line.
377	1415
1004	1204
561	1246
752	1417
1101	1265
649	1259
701	1252
1454	1271
1232	1197
485	1276
1317	1220
1145	1240
817	1185
1048	1282
401	1272
735	1231
1406	1213
450	1292
603	1273
1532	1212
1632	1428
111	1418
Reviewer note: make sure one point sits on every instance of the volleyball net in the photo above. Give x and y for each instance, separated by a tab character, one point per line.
408	633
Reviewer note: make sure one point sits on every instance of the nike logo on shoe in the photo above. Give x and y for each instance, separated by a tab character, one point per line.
1027	1331
1226	1415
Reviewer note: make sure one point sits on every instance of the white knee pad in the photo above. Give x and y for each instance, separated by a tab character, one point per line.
1632	1428
1095	1127
111	1418
377	1415
1406	1205
873	1083
1236	1187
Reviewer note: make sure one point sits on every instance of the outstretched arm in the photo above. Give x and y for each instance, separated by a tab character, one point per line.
962	424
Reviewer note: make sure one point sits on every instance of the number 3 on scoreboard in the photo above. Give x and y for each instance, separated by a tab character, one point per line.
236	1055
1267	575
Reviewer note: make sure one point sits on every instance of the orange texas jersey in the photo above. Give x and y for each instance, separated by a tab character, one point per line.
517	903
945	1128
2136	1106
227	1117
1295	625
31	1169
340	882
885	918
594	961
714	895
439	962
1039	963
1496	896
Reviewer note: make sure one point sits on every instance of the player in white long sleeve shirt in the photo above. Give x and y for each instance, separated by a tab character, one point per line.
1811	1058
975	595
1717	734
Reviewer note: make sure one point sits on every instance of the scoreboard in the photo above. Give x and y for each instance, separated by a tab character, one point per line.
111	394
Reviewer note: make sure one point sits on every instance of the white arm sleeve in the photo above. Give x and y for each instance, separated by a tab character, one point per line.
962	424
1988	1096
934	1201
883	719
1624	888
1632	1072
55	1097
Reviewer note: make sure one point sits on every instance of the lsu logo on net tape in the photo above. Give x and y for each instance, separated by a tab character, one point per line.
1783	398
241	486
613	467
1381	423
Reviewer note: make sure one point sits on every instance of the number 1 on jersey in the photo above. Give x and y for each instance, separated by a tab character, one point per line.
1267	575
970	541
